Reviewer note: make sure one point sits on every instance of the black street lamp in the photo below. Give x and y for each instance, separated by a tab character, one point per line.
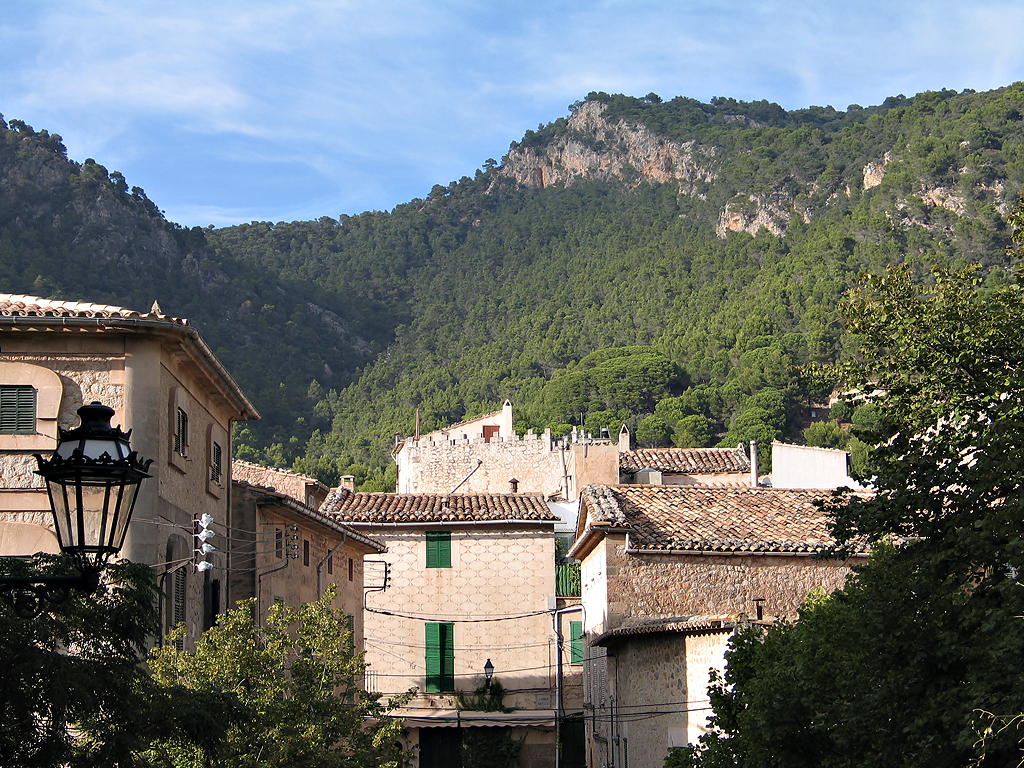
488	674
92	481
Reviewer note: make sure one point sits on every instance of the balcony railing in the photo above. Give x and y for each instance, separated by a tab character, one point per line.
567	580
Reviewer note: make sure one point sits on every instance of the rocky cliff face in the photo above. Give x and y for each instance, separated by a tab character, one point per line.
594	147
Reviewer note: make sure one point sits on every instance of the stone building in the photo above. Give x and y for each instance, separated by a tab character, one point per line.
668	573
165	385
282	550
484	455
472	579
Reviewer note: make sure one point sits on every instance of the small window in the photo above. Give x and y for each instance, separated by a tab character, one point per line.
330	564
439	549
17	410
279	543
575	642
216	457
181	432
351	569
305	551
440	657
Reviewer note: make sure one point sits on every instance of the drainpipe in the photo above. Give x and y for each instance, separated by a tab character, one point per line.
320	566
753	464
559	708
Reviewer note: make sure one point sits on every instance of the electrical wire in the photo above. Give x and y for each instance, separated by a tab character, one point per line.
422	646
449	619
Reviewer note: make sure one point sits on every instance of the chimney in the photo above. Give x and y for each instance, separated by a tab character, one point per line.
417	423
348	482
753	463
758	601
623	439
514	484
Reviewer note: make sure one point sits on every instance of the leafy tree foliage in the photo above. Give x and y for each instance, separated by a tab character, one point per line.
917	660
295	681
73	691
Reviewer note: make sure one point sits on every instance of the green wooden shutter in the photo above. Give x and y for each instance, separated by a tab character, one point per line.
439	549
17	410
350	623
575	642
440	657
433	657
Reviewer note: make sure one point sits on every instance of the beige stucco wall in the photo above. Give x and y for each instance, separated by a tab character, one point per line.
496	572
704	652
296	583
594	462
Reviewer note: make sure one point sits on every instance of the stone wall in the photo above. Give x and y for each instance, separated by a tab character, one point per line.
674	585
84	378
648	675
432	465
299	487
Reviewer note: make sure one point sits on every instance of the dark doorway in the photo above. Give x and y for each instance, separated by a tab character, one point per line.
573	743
440	748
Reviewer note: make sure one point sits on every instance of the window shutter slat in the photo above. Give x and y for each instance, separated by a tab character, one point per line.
433	658
576	642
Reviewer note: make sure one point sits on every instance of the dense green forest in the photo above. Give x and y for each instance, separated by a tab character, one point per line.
647	298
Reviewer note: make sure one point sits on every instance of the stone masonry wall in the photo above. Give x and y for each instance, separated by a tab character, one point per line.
280	480
437	466
670	585
651	676
84	379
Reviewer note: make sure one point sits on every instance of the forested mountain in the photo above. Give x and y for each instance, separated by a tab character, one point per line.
659	263
75	231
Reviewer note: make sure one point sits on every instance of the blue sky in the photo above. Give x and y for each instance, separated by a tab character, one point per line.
235	111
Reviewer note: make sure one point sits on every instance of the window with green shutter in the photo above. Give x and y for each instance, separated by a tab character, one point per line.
439	549
440	657
575	642
17	409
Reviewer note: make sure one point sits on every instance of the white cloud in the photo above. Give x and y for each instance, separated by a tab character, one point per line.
385	99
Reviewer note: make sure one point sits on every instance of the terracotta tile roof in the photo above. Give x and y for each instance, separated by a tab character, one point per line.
30	313
687	624
690	461
16	305
351	507
697	518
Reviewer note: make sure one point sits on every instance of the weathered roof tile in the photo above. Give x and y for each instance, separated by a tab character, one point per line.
700	461
697	518
352	507
18	305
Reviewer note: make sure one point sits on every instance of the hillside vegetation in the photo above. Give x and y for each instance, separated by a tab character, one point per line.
662	264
